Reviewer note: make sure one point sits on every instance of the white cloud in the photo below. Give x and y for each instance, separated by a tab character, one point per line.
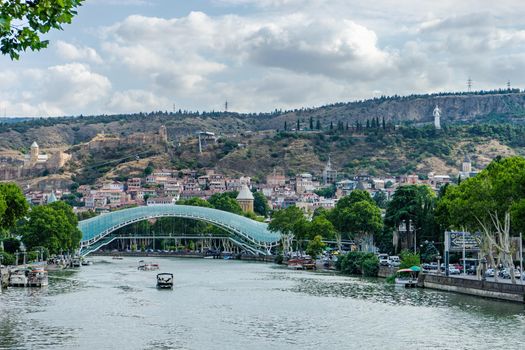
57	90
131	101
267	54
73	53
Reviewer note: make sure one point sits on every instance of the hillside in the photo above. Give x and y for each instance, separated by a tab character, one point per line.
482	125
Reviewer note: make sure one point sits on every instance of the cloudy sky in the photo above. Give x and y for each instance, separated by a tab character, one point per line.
143	55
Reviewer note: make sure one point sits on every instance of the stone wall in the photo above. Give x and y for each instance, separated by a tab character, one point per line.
386	271
503	291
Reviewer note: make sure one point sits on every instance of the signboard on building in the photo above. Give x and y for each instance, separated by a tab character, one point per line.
457	241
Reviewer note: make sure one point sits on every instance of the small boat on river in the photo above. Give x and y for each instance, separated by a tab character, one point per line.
165	280
301	263
37	277
18	277
147	266
407	277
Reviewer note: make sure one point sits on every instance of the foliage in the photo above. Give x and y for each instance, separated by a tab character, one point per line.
409	259
52	226
429	252
494	191
320	226
260	204
415	203
226	201
380	199
7	258
13	204
326	192
315	246
359	263
11	245
23	22
288	221
195	201
148	170
88	214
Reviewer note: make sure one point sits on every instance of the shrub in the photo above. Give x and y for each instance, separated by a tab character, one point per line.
358	263
7	259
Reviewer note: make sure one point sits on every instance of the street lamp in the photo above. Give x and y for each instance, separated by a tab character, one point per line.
439	265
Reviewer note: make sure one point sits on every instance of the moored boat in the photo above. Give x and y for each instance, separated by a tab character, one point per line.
295	264
76	262
37	277
18	277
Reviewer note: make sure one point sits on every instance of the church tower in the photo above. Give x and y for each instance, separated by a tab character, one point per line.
163	134
245	199
35	151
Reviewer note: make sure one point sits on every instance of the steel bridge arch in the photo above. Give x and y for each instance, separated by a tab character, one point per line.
250	234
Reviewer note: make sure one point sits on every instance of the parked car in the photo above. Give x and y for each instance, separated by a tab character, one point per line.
453	270
383	259
489	273
394	261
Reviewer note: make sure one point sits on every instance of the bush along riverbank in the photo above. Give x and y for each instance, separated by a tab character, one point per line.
358	263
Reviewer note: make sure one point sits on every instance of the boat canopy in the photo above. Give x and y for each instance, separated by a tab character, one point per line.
411	269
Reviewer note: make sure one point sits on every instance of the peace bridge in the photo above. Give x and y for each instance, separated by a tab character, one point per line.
251	235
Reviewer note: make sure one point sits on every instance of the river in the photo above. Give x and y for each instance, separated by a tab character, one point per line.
242	305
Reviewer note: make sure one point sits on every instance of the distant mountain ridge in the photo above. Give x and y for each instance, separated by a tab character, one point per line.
506	106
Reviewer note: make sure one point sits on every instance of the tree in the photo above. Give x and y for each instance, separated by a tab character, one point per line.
23	22
226	201
52	226
13	205
285	126
195	201
380	199
298	125
260	204
318	124
148	170
311	123
364	221
492	203
409	259
414	203
320	226
315	246
357	216
331	125
290	222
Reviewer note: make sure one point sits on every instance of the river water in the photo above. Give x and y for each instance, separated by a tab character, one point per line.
241	305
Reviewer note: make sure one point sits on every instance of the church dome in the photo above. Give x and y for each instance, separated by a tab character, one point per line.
34	145
245	194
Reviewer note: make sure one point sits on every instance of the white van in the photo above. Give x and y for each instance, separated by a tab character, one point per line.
394	260
383	259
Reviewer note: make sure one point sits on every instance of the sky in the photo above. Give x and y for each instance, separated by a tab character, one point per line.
126	56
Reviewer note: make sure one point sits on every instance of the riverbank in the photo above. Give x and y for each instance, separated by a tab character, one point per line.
486	289
501	290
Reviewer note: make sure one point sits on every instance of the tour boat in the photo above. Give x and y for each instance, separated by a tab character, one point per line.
18	278
407	277
37	278
165	280
144	266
